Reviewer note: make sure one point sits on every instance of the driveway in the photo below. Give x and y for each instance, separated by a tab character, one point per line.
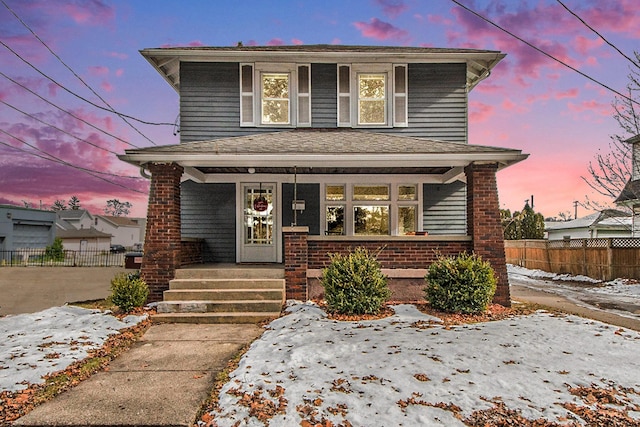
617	302
32	289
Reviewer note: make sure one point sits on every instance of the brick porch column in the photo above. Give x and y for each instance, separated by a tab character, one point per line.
484	226
162	241
296	262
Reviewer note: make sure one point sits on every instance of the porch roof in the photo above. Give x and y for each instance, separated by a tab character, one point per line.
325	151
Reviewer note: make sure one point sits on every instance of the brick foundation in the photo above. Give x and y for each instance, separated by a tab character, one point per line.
484	226
191	251
162	246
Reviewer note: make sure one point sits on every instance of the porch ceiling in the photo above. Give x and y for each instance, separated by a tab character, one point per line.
327	170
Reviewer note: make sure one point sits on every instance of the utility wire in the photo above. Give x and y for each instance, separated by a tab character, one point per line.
68	90
545	53
57	128
598	34
62	162
65	111
111	109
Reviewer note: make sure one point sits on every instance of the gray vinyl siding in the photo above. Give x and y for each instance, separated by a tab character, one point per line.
209	213
310	217
324	95
210	101
445	208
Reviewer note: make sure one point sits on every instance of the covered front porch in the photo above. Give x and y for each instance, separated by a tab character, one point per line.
291	198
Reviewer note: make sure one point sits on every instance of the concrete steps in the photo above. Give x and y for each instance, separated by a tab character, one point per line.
223	295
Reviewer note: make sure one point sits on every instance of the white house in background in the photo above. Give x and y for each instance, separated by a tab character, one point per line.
85	239
630	195
607	223
127	232
77	218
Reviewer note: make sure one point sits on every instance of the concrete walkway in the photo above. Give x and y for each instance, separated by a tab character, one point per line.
162	381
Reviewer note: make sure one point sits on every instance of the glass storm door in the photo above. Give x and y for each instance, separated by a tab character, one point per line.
259	239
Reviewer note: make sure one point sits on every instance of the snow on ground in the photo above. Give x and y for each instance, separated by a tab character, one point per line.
33	345
619	287
388	371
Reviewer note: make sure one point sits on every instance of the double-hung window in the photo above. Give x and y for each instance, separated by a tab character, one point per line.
372	95
275	95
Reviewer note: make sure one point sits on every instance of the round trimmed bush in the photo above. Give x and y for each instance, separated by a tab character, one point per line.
354	283
461	284
128	290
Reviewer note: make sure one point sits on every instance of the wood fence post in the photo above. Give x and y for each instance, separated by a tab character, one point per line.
610	268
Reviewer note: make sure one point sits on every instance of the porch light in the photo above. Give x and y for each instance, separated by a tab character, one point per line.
251	170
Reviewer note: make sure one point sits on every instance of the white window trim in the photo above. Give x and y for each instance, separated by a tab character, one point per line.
357	69
393	203
267	67
303	95
397	94
344	95
290	110
244	95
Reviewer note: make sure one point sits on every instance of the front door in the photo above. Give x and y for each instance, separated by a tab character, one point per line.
259	238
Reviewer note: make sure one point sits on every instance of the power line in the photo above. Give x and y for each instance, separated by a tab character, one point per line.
65	111
598	34
111	109
57	128
51	157
545	53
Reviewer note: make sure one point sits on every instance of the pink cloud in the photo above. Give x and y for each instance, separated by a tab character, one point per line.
98	70
119	72
584	45
193	43
593	106
297	41
117	55
336	41
479	112
275	42
392	8
92	12
381	30
513	107
571	93
106	86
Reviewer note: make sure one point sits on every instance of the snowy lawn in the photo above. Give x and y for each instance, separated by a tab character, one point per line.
34	345
409	370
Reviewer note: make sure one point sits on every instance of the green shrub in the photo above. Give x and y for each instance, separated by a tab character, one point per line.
462	284
128	290
354	283
54	252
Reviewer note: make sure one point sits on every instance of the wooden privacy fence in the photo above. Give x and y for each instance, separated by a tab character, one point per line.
602	259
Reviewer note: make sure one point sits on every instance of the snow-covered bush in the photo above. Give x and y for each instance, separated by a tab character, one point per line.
354	283
461	284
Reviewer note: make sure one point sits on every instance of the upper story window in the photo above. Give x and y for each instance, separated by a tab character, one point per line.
372	95
275	94
275	98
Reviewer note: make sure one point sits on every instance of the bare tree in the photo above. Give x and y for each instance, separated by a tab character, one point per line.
117	208
609	172
59	205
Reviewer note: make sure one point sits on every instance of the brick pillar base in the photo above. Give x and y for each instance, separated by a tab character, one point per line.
296	262
484	225
162	241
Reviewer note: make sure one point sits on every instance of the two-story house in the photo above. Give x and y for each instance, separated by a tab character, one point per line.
288	153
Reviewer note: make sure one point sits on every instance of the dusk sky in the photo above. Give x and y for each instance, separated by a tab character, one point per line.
529	102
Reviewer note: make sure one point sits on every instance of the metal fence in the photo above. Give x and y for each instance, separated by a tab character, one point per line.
39	257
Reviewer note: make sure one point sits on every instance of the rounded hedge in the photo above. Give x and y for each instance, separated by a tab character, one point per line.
354	283
461	284
128	290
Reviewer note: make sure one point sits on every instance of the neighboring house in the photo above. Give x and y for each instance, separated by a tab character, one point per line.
288	153
86	239
607	223
76	218
24	228
630	195
128	232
